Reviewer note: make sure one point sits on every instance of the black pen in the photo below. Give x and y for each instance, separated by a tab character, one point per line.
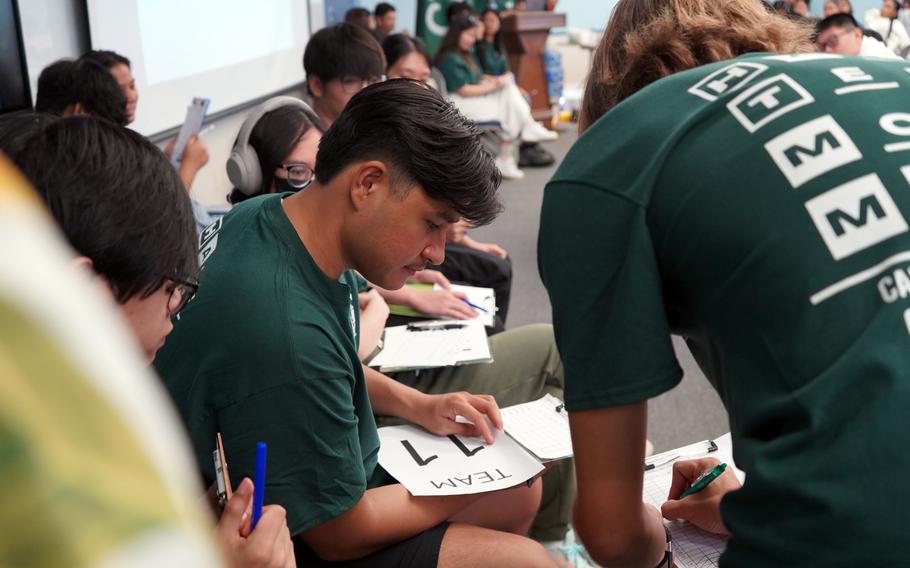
418	327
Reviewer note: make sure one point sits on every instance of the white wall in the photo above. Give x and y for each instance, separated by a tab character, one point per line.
55	29
51	29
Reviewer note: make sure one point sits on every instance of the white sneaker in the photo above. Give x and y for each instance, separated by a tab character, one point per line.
535	132
508	168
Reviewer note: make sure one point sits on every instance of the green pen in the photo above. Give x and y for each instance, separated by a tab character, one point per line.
703	480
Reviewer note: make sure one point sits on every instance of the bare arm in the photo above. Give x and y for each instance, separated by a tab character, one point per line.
383	516
615	526
373	314
480	89
434	302
436	413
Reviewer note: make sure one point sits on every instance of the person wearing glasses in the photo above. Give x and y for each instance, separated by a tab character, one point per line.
285	141
339	61
123	209
841	34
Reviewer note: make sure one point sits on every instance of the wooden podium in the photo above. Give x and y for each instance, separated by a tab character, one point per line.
524	35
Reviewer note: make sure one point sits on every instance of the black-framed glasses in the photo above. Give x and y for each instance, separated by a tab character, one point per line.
352	85
833	40
181	293
299	175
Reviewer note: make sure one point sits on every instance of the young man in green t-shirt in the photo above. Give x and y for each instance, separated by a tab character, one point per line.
758	207
267	350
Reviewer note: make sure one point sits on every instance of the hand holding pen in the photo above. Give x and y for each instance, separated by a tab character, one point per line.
699	506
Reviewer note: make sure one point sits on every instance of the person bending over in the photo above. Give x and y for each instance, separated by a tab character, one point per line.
781	258
282	364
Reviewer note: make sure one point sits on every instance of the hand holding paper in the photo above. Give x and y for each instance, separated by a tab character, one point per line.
438	414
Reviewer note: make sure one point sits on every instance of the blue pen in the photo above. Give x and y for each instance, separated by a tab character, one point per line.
475	306
259	488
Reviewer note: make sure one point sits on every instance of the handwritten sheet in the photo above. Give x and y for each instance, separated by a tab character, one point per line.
427	464
692	547
540	427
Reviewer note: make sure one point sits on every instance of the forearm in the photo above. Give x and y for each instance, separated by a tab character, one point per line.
388	397
399	297
383	516
372	324
637	542
477	90
188	173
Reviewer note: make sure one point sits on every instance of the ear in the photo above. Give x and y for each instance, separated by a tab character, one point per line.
370	179
85	265
315	85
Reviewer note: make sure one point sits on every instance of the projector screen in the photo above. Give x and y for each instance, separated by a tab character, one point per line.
231	51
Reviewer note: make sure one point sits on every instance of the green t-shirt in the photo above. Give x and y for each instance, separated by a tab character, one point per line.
457	72
756	207
267	351
493	63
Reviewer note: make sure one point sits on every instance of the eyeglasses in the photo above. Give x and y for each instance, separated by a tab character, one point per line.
352	85
181	293
299	175
832	41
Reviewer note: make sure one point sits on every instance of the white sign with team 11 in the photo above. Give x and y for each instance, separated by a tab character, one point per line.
427	464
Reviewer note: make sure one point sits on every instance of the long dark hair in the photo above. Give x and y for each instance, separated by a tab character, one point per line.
479	50
396	46
450	41
273	138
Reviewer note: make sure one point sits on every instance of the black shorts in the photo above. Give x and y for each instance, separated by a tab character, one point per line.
419	551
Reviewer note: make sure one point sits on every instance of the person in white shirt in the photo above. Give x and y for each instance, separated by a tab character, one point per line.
885	21
841	34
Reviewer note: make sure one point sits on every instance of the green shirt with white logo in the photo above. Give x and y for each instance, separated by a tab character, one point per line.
757	207
267	351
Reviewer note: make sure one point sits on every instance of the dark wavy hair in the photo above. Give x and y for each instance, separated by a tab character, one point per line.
118	201
449	42
423	139
479	51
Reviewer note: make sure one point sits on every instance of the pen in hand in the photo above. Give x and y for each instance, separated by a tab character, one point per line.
704	480
259	485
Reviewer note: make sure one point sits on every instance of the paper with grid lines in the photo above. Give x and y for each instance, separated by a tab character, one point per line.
692	547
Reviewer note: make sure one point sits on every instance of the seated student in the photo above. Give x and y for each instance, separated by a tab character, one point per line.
339	61
54	94
841	34
282	364
489	50
885	21
82	479
123	210
95	92
275	149
790	292
195	153
487	98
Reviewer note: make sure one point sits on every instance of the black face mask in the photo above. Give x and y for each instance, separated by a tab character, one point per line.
282	185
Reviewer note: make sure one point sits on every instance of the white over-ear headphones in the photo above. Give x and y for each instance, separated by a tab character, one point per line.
243	166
